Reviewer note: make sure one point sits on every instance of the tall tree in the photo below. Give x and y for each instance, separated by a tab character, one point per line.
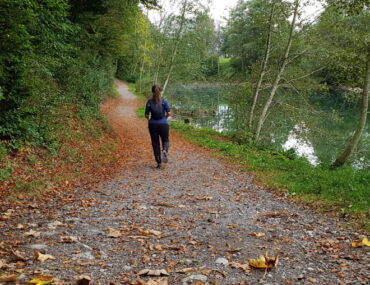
264	63
279	73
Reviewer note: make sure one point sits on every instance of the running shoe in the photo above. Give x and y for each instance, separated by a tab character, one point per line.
165	158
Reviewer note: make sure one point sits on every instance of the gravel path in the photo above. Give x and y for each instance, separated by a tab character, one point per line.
198	214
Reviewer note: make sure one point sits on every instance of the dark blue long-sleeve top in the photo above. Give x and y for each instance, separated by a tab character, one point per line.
163	120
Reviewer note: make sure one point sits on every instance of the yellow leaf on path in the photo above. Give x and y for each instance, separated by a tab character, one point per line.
156	272
360	243
264	261
8	278
43	257
42	279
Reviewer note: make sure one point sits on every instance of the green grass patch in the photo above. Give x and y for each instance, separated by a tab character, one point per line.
345	189
224	60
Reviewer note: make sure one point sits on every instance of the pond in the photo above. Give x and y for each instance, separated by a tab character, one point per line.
210	106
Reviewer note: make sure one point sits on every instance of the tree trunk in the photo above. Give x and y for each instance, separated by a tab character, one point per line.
177	42
264	68
353	142
280	72
142	67
157	66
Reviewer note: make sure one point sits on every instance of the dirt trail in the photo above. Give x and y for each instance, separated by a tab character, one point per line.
198	212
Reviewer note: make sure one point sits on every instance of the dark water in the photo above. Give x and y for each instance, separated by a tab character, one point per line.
317	135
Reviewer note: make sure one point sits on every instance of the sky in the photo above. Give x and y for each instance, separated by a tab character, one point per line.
220	9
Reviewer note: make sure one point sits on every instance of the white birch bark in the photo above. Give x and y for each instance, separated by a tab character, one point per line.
264	67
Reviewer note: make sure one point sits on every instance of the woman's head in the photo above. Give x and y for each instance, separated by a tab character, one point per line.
156	90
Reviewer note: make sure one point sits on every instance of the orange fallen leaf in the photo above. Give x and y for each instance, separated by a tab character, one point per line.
264	261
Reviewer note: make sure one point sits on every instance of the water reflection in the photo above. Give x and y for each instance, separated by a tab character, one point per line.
318	139
297	140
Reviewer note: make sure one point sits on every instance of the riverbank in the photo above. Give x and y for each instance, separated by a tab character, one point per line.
344	191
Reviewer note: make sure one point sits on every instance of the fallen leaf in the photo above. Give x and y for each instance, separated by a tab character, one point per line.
156	272
151	232
68	239
185	270
43	257
42	279
32	233
8	278
360	243
83	280
20	226
259	234
264	261
243	266
18	255
57	224
312	280
205	198
160	281
113	233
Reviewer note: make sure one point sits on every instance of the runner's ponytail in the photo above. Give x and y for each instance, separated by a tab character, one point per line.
156	90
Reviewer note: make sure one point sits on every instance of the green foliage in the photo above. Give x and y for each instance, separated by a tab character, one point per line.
60	58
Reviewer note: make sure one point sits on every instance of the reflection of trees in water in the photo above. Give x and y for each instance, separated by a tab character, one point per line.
326	128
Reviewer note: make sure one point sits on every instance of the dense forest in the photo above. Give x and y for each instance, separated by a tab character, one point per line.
59	59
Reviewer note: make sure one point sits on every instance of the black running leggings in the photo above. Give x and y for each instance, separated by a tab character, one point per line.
156	131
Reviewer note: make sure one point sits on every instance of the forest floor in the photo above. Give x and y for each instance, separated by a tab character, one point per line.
196	221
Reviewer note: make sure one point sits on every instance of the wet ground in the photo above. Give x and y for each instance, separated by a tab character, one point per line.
196	221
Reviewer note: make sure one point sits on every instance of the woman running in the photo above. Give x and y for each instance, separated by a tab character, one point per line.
159	110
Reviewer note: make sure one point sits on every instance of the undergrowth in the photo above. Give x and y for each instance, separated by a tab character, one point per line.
84	144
